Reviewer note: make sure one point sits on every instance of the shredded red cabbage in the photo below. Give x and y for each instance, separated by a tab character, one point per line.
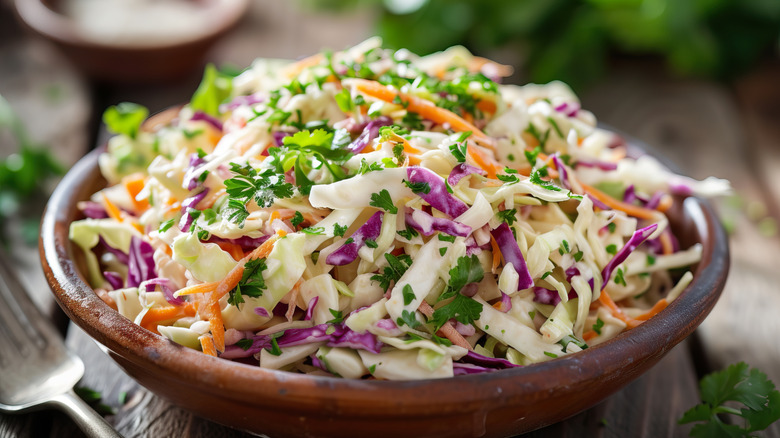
93	210
603	165
511	253
428	225
166	290
310	308
242	100
278	138
598	204
213	121
439	197
570	109
354	340
192	201
462	369
261	311
189	177
140	266
114	279
120	255
462	170
370	132
506	303
633	243
487	362
245	242
546	296
348	252
562	172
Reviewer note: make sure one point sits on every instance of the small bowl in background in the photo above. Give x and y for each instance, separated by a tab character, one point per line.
123	48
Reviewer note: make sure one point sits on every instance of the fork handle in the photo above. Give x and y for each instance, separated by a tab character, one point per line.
89	421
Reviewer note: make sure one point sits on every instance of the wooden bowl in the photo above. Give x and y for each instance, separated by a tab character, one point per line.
127	62
277	403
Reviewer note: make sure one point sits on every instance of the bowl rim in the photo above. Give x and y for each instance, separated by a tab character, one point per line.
478	391
43	19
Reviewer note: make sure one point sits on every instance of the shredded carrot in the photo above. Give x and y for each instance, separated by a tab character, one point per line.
606	300
297	67
111	209
588	335
478	64
103	295
134	184
496	253
293	303
486	106
665	203
275	215
488	164
197	289
666	242
157	315
659	306
631	210
207	344
425	108
216	325
447	330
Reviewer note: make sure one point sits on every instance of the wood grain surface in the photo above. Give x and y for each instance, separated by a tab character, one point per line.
706	128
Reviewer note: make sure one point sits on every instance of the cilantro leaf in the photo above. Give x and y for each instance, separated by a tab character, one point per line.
739	384
383	201
365	167
125	118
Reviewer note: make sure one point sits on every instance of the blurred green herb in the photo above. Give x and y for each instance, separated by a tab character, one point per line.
214	88
125	118
739	385
22	174
571	40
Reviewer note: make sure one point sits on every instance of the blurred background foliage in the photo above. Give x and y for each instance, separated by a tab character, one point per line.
573	40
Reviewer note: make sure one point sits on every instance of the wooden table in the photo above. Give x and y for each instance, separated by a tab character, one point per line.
706	128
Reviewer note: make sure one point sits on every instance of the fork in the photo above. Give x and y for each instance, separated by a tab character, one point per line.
36	369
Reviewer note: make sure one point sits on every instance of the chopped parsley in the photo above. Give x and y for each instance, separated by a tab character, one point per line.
598	326
252	283
418	187
165	226
508	216
338	316
297	219
408	294
383	201
408	318
392	273
249	185
339	230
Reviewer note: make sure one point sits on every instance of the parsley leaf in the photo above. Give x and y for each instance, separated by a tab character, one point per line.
297	219
365	167
737	383
508	216
467	270
418	187
459	151
598	325
125	118
408	233
383	201
252	283
408	294
464	309
248	185
397	266
338	316
410	319
536	178
339	230
212	91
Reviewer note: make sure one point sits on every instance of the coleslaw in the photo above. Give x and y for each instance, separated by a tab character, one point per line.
375	214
